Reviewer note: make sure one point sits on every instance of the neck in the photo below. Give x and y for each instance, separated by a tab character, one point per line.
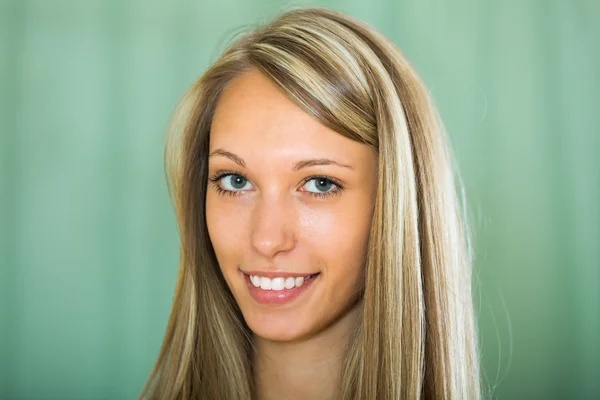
305	369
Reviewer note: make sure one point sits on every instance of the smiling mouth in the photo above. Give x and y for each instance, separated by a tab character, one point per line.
279	290
280	283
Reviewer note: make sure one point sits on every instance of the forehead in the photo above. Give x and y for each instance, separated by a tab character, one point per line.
253	112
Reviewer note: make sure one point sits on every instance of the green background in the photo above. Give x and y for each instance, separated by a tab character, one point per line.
89	244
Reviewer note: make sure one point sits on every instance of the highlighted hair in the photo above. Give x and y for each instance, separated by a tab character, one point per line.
416	337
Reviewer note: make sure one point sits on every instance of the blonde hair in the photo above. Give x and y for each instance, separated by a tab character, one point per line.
416	336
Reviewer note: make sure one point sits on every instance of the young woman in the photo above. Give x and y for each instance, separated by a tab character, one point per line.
324	252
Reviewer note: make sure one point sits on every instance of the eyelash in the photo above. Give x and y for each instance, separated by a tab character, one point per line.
222	174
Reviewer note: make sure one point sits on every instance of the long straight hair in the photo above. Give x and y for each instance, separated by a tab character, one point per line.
416	336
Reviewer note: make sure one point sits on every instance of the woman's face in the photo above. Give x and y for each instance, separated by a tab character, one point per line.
288	207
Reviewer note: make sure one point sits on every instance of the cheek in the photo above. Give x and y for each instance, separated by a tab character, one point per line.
340	236
226	228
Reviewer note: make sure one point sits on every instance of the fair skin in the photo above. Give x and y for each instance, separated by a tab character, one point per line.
288	196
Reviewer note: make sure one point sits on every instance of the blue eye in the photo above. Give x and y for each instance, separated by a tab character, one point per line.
234	183
320	185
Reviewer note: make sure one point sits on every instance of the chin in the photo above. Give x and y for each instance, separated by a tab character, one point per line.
277	328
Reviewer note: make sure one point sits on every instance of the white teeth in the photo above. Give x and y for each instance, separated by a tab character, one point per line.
265	283
278	283
290	283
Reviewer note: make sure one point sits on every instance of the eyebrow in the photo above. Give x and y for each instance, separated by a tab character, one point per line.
297	167
220	152
318	161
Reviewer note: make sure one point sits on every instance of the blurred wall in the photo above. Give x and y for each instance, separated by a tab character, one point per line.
88	238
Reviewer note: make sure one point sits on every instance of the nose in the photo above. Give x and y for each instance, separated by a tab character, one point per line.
273	225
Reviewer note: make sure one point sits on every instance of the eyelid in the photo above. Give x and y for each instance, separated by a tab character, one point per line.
339	186
336	182
215	178
223	173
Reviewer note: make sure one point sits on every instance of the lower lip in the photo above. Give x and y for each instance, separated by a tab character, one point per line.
275	297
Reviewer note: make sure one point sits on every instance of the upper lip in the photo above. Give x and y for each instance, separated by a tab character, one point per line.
278	274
